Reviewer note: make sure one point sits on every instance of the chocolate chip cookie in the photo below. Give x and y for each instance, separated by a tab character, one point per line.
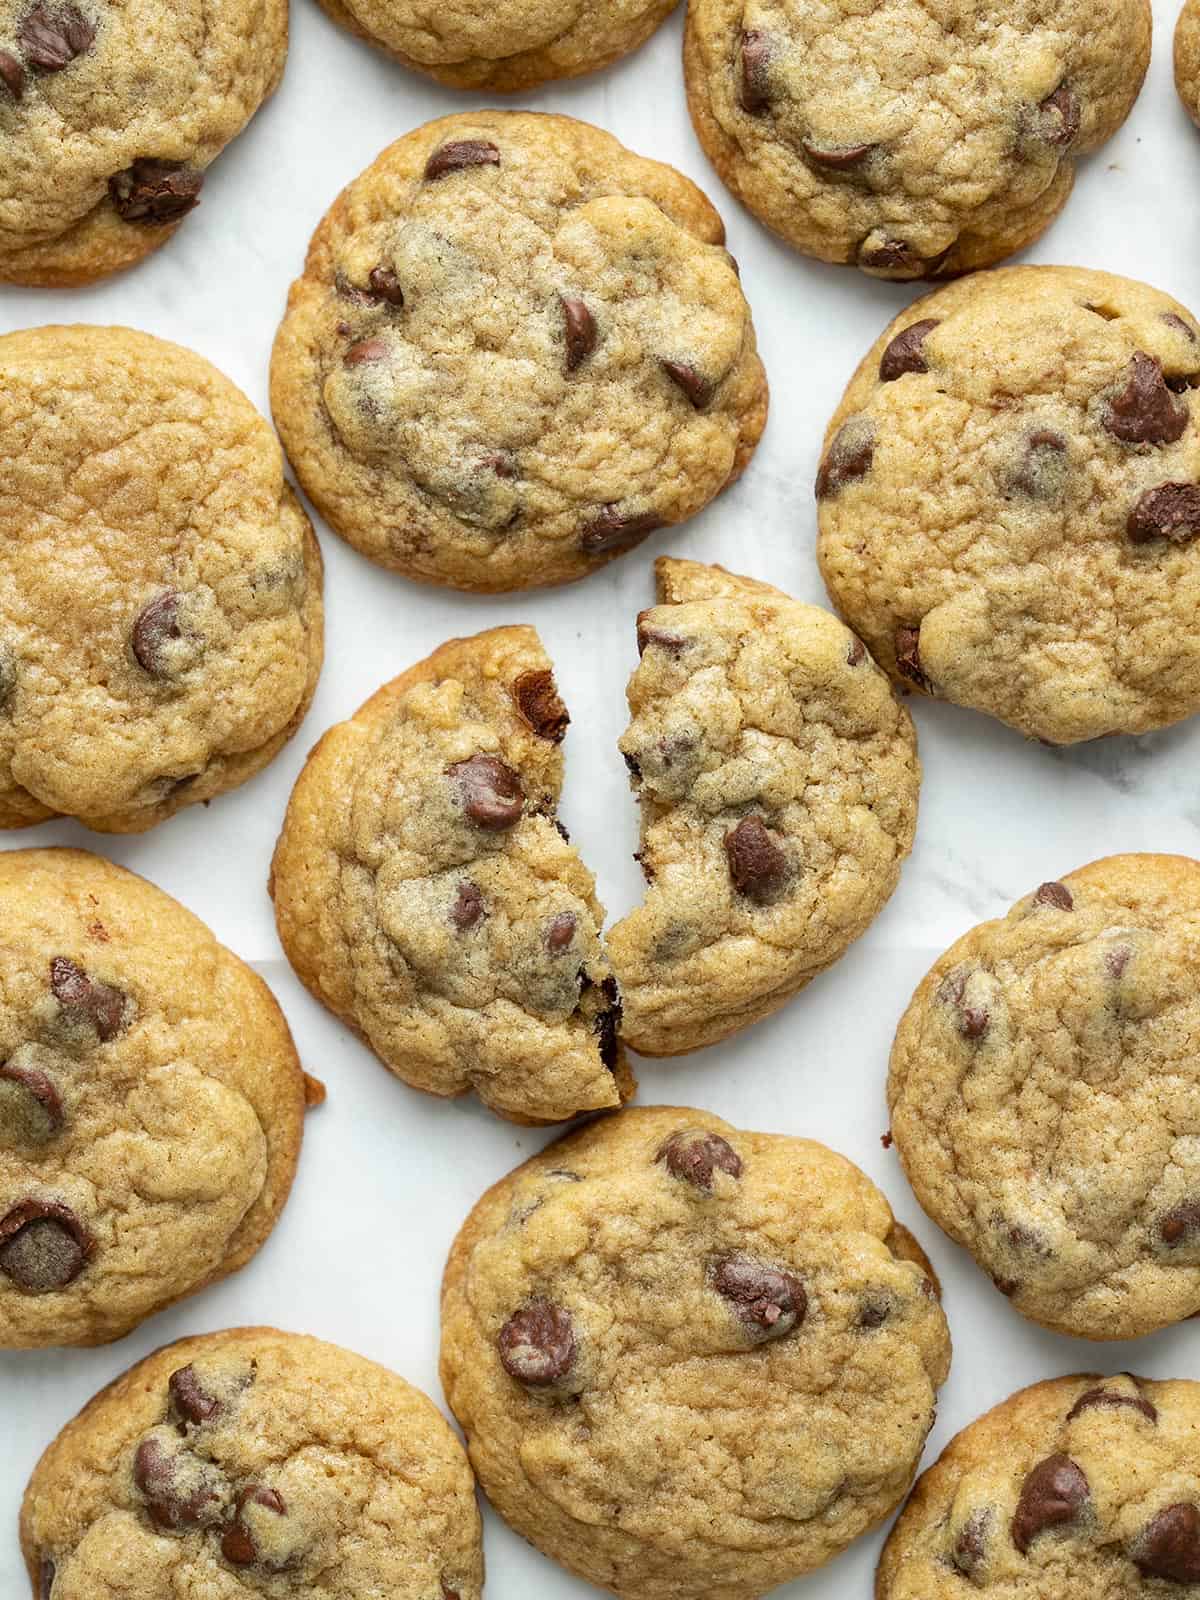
507	46
908	139
1078	1486
689	1361
151	1102
516	349
160	586
426	892
110	112
1187	57
1045	1091
1009	505
253	1461
778	781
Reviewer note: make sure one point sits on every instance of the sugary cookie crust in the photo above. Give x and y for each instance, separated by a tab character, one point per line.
778	781
909	139
151	1102
1009	504
690	1361
1045	1091
254	1461
516	349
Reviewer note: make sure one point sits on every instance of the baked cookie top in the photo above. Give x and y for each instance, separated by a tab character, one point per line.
110	111
778	781
905	138
426	893
1045	1091
1009	506
1187	57
1081	1485
513	45
151	1102
515	350
160	586
253	1461
690	1361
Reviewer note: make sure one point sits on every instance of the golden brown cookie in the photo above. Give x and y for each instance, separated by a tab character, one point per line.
151	1102
778	781
254	1462
427	894
516	349
908	139
1187	57
110	112
689	1361
161	623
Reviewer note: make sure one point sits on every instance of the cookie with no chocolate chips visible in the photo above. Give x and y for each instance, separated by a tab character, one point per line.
1009	502
515	351
253	1461
778	780
1187	57
667	1341
1079	1485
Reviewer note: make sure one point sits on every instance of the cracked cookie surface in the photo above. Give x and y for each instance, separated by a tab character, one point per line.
426	893
151	1102
1187	57
161	622
1045	1091
1080	1485
254	1462
110	112
906	138
690	1361
1009	506
512	45
778	780
516	350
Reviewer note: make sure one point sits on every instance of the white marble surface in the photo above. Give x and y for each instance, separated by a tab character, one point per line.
387	1174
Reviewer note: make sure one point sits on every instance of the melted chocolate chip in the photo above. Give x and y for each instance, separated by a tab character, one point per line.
237	1542
154	627
610	528
537	700
874	1314
460	154
1103	1399
38	1086
1168	511
754	90
47	1573
1042	471
673	643
492	796
1145	411
695	1154
1053	1493
85	1001
970	1547
1180	1225
561	932
837	157
12	74
972	1021
606	1025
179	1494
908	657
769	1303
906	352
1060	117
468	906
697	387
897	255
1174	321
1169	1545
580	327
1117	959
849	457
537	1344
365	352
43	1246
856	654
385	286
757	865
155	192
190	1400
1056	895
51	37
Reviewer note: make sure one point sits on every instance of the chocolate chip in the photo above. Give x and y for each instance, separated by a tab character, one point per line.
491	791
180	1492
673	643
1053	1493
1145	411
52	36
606	1025
580	332
37	1085
610	528
634	766
1060	116
365	352
769	1303
385	285
906	352
1181	1224
154	627
1169	1545
908	657
1042	471
1168	511
460	154
468	906
754	90
697	388
849	457
1056	895
538	702
155	192
12	74
561	829
1117	959
43	1246
47	1573
970	1547
537	1344
837	157
561	932
694	1154
972	1021
237	1542
856	654
448	1593
895	255
873	1314
1174	321
85	1001
757	865
190	1400
1102	1398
